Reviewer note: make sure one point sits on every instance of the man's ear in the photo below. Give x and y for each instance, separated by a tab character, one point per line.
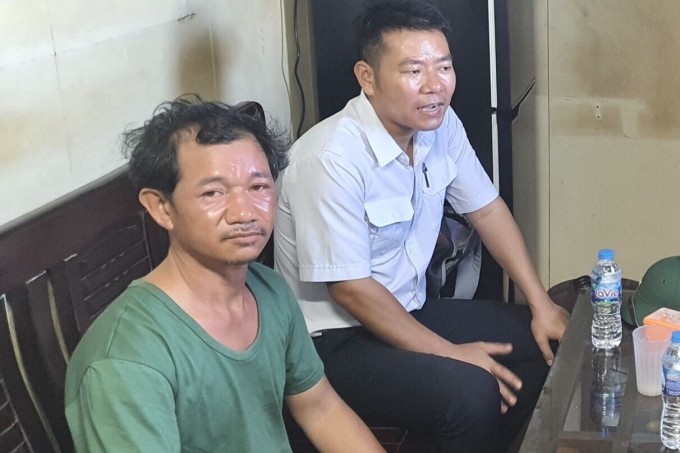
158	206
365	76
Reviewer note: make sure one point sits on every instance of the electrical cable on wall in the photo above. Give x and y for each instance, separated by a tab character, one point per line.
295	69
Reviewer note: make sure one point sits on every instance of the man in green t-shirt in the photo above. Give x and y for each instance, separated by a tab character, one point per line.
201	353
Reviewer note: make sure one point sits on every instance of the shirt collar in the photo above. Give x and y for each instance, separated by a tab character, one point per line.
383	146
422	143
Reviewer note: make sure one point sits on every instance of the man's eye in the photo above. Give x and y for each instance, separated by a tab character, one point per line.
260	187
414	71
210	193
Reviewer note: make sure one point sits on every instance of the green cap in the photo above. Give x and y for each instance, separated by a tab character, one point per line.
660	287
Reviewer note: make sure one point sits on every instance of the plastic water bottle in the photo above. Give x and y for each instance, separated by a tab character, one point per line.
606	300
670	416
607	388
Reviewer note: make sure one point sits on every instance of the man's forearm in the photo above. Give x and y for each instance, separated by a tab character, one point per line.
377	309
380	312
329	423
500	233
502	237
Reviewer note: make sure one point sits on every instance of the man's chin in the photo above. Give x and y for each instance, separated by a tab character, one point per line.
239	262
241	253
243	258
431	124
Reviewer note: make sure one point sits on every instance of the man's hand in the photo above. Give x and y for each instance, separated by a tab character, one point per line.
377	310
480	354
501	235
549	322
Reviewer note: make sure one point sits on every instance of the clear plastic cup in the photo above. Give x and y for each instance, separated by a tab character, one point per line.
649	343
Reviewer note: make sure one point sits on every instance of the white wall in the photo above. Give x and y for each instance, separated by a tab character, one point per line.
608	115
531	161
614	133
74	74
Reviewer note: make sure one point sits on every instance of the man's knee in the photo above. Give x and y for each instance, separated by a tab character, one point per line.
474	406
472	415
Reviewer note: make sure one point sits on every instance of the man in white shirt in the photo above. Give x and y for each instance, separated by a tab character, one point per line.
358	217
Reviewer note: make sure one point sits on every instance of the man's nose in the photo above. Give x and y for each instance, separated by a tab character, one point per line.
240	208
433	82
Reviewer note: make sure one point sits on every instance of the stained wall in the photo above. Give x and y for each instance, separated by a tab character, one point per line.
608	115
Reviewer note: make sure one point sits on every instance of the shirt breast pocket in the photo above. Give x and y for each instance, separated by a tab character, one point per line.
440	174
389	220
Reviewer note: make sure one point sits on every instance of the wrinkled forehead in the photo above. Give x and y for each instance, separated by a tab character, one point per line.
236	158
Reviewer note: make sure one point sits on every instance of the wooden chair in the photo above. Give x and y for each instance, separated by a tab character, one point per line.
59	268
23	424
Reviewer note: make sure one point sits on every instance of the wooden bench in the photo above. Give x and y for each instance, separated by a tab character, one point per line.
60	267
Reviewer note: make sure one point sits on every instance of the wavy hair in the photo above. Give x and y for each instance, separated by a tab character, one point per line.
152	148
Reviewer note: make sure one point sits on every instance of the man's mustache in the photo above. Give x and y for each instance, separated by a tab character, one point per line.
244	231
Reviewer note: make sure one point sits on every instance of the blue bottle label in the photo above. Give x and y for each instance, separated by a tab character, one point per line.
671	382
606	293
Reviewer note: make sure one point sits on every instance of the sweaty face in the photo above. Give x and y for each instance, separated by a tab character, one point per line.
412	81
224	204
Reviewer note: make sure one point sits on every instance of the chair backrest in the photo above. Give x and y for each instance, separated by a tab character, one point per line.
22	426
60	267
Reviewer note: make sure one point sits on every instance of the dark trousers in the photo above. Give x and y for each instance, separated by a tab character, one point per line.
457	402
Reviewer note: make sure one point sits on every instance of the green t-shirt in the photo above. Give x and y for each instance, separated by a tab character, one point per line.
146	377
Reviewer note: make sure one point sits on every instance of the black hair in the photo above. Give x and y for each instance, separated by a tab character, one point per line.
392	15
152	148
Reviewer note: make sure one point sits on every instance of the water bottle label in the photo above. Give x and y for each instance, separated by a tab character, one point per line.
606	293
671	382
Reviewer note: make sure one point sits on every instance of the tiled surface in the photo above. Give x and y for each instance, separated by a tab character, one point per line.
250	63
24	31
74	74
124	87
34	159
82	23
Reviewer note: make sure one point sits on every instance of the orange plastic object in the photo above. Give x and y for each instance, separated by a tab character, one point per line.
664	317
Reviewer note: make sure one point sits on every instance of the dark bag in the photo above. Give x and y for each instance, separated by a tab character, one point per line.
458	244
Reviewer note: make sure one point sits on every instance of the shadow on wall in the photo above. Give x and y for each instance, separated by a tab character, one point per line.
197	68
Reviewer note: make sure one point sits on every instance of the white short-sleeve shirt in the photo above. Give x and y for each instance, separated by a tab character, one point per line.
351	206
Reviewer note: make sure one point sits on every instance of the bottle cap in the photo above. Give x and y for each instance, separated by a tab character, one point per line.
605	254
675	337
